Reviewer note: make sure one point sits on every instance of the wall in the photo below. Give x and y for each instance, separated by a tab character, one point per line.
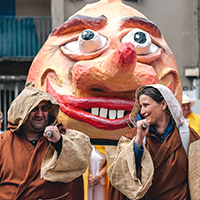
196	107
33	8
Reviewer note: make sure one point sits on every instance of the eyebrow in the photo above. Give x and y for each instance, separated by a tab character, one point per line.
139	22
80	22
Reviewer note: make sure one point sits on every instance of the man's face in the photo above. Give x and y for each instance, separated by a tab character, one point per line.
38	118
186	108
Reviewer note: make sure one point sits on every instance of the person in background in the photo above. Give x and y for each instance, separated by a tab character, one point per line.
1	120
36	163
190	118
152	158
97	178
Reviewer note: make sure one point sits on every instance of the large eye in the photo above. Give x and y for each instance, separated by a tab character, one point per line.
141	40
88	42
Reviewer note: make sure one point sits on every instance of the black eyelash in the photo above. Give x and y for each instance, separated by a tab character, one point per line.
167	51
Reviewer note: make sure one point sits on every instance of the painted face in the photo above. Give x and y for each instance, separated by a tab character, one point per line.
150	109
38	118
186	108
94	63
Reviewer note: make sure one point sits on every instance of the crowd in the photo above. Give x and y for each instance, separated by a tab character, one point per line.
158	162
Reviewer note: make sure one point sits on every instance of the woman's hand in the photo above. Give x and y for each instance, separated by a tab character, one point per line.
141	132
94	179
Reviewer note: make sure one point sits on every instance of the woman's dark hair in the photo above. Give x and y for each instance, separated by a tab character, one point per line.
153	93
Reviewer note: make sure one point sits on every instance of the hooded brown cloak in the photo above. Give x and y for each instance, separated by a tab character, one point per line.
39	173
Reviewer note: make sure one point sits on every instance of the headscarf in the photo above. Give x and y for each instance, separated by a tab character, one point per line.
172	103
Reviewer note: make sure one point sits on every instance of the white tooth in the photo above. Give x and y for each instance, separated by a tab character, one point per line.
103	112
112	114
95	111
120	114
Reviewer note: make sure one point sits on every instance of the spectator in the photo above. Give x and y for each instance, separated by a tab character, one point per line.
34	166
97	187
152	163
190	118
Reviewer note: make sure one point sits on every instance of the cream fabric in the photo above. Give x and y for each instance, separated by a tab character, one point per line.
110	153
194	170
72	161
122	173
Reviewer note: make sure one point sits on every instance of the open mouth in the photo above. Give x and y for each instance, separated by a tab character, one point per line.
101	112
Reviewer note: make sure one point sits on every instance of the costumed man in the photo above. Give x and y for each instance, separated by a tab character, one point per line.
151	162
190	118
34	165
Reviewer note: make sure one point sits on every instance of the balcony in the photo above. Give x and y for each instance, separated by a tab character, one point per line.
21	37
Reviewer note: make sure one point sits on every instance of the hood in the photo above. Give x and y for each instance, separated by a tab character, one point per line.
173	104
28	99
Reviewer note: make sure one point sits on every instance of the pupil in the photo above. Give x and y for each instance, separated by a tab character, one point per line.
140	37
87	35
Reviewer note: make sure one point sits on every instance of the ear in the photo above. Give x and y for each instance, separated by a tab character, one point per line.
164	105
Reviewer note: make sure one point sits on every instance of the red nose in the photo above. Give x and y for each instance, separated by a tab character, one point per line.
126	56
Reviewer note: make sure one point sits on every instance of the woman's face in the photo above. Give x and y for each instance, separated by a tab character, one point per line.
151	110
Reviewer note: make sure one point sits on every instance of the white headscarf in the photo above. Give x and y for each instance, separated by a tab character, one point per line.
173	104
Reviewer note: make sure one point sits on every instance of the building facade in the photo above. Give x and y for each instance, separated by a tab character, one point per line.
25	25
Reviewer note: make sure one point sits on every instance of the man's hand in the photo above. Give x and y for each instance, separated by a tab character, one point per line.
55	137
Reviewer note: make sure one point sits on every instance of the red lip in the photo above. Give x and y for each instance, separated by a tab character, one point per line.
75	107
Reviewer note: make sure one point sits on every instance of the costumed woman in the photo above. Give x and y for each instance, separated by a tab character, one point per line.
160	161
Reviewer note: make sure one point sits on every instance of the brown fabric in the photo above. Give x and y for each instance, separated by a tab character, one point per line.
114	194
20	174
78	189
171	168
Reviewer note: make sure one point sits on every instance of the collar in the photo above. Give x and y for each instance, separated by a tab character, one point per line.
34	142
167	131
